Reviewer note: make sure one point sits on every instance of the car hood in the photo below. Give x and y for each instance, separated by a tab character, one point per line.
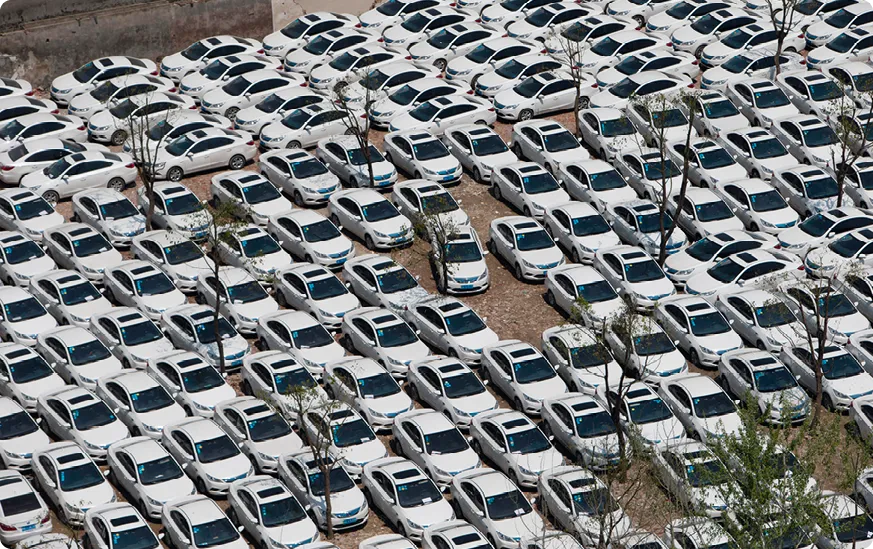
546	256
292	535
510	97
790	398
471	269
665	364
26	444
362	454
103	260
211	397
177	60
96	370
496	160
710	496
322	355
544	389
594	376
195	81
266	209
278	446
849	324
192	269
66	82
256	309
34	326
478	340
721	342
654	288
686	34
228	469
34	266
89	497
102	118
406	122
730	123
658	432
105	435
408	353
703	283
152	349
519	527
457	462
162	302
84	101
727	424
540	461
780	217
232	345
276	130
392	404
432	513
171	489
474	404
40	386
605	98
129	226
399	300
164	416
36	180
617	524
683	261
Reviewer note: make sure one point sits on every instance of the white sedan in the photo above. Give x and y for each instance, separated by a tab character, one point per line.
371	217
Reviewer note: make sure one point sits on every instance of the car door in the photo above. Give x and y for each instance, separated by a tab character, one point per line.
471	495
566	294
385	495
681	405
119	403
494	444
562	506
247	511
557	95
350	216
676	325
126	472
46	476
295	292
404	157
412	443
430	388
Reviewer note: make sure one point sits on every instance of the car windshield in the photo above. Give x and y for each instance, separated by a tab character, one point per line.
817	225
615	128
88	352
260	246
737	39
442	39
625	88
351	433
438	204
325	288
374	80
57	169
596	292
863	82
92	416
195	51
25	309
318	45
417	493
288	382
767	201
539	183
153	398
430	150
30	369
630	65
269	427
715	158
726	270
450	441
834	306
397	335
529	87
120	209
720	109
704	249
531	371
651	223
643	271
91	245
104	91
11	129
852	529
707	473
311	337
768	148
847	246
463	385
424	112
774	379
406	94
379	211
138	334
713	211
840	366
488	145
768	99
513	68
214	70
843	43
774	315
123	109
590	226
596	502
16	425
668	119
594	425
709	324
271	103
281	512
80	477
540	18
820	137
201	379
357	158
156	284
183	252
206	330
648	411
416	23
463	252
237	86
557	142
826	187
658	171
463	323
158	471
141	537
246	293
20	253
606	47
345	61
825	91
589	356
86	72
529	441
184	204
481	53
339	482
216	449
320	232
33	208
714	405
179	146
217	532
653	344
296	120
261	192
397	280
308	168
507	505
808	7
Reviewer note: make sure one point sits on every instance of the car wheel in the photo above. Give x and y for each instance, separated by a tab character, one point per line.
440	64
237	162
756	122
308	259
354	183
474	444
126	364
753	227
526	114
546	428
549	168
246	387
698	236
495	190
754	174
790	49
262	344
335	220
491	247
417	175
827	402
413	392
806	161
298	199
694	357
118	137
639	20
516	149
453	353
52	198
574	256
526	211
760	344
864	205
143	510
368	242
401	529
584	102
293	145
519	274
550	298
201	486
231	113
117	184
232	516
513	477
481	123
698	53
188	411
704	184
602	154
491	540
198	298
175	174
807	213
580	459
477	177
351	131
473	81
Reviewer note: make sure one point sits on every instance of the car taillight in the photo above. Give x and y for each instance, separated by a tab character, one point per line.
478	20
695	62
802	268
46	519
639	28
505	35
803	61
364	116
800	35
7	528
250	143
129	166
469	92
408	57
778	246
381	39
595	85
304	84
358	26
440	75
491	109
29	94
669	44
56	111
193	107
173	90
261	51
691	85
154	73
7	168
80	128
544	50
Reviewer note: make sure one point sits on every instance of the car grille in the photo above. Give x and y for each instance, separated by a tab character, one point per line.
235	356
347	514
670	373
549	265
382	177
446	172
395	235
657	297
314	80
466	280
783	225
453	71
341	254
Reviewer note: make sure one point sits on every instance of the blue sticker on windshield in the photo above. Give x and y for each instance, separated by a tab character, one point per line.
17	208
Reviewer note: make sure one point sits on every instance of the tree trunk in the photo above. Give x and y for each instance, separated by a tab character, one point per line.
328	505
217	311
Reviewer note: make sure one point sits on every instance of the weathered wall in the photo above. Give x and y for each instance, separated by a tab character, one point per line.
19	12
40	50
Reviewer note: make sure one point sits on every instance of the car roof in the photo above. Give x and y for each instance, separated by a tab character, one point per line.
9	407
199	428
696	384
580	404
276	361
70	335
509	421
132	381
490	482
144	450
429	421
233	276
15	352
294	320
359	367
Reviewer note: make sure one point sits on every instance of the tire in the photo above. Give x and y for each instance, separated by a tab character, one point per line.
117	184
760	345
143	510
495	190
440	64
546	429
754	227
754	174
526	211
237	162
308	259
550	298
699	51
827	402
516	149
790	49
694	357
126	364
549	168
477	177
335	220
368	242
52	198
231	113
413	392
491	247
481	123
526	114
293	145
353	183
574	256
513	477
175	174
198	298
806	161
519	274
262	344
639	20
602	154
232	516
518	405
75	218
756	122
417	175
474	444
864	205
584	102
704	184
298	199
118	137
351	131
246	387
453	353
201	486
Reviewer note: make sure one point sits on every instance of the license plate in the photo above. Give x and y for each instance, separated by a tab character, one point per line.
466	286
448	178
545	271
340	261
28	527
349	520
236	362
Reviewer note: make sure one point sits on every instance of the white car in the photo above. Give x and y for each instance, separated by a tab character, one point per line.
595	182
140	402
431	206
539	24
301	29
521	373
254	198
437	115
213	459
700	329
169	128
434	443
371	217
315	290
707	251
709	162
761	101
583	362
377	280
115	90
70	479
30	128
506	514
760	318
763	381
652	174
383	80
528	187
176	209
579	229
261	432
758	151
843	381
26	375
306	126
449	42
703	213
110	212
479	149
821	32
68	296
416	27
383	336
523	243
450	326
708	28
223	69
640	223
644	415
515	444
243	300
609	50
642	86
756	36
449	386
634	274
323	46
844	513
822	228
350	65
203	150
827	313
657	122
345	158
130	117
509	72
758	205
74	413
808	189
130	336
253	249
547	143
140	285
119	522
810	141
569	286
445	535
300	335
149	475
80	172
681	14
277	377
302	474
543	93
487	55
715	114
179	258
300	175
77	355
21	435
347	438
813	92
693	475
198	521
405	98
312	237
277	518
607	131
823	261
751	268
199	54
585	428
38	155
855	44
751	63
10	87
275	107
423	156
665	62
21	259
196	385
24	318
93	73
247	90
192	328
701	405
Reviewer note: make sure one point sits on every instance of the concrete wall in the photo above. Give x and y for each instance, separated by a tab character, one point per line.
41	50
16	13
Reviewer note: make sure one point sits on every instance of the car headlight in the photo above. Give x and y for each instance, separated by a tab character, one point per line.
98	270
460	412
214	479
160	165
325	313
381	235
414	526
508	107
155	502
840	395
193	90
204	407
21	276
510	539
527	471
819	159
462	73
266	457
349	463
152	428
531	398
247	318
431	172
529	264
35	232
72	508
95	446
19	335
773	341
216	105
641	296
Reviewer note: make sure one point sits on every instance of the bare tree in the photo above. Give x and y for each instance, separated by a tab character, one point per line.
440	230
851	125
357	123
572	48
782	15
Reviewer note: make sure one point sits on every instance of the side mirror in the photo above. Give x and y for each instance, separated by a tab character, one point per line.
240	528
485	383
731	321
106	472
